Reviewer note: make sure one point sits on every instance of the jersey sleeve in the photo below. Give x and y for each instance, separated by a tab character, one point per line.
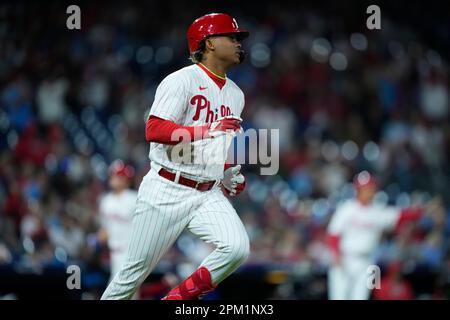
170	98
338	220
132	201
241	100
102	221
388	217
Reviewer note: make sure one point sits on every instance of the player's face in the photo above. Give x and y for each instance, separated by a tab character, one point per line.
366	194
118	183
227	48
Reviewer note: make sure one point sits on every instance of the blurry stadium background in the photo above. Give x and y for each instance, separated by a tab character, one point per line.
344	98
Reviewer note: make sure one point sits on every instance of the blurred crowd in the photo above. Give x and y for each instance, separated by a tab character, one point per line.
344	98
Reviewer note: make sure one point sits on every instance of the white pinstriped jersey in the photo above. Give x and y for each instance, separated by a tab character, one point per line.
360	227
190	97
116	214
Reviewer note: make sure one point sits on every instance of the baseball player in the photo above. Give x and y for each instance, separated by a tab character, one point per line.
354	232
116	211
195	115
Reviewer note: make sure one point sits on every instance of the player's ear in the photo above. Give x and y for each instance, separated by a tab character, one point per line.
209	44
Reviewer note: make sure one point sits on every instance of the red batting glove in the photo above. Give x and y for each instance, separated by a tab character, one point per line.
221	126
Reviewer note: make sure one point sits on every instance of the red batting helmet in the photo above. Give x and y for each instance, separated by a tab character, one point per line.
364	179
119	168
211	25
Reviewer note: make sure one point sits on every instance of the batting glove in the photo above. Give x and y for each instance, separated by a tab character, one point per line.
233	181
228	124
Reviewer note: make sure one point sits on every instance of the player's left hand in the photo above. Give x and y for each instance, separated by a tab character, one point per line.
233	181
224	125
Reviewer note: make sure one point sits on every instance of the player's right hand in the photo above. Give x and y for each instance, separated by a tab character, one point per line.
229	124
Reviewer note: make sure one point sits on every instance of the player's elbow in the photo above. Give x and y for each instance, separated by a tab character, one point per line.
333	241
150	130
160	131
153	131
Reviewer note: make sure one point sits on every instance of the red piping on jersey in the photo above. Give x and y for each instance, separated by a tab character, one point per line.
161	130
408	215
220	82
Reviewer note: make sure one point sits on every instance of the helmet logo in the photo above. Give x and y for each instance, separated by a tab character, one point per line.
234	23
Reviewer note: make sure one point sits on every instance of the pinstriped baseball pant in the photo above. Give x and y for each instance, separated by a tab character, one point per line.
163	210
348	281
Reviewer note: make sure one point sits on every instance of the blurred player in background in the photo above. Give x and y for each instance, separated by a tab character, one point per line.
354	233
116	212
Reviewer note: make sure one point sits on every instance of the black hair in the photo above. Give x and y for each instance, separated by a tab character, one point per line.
197	56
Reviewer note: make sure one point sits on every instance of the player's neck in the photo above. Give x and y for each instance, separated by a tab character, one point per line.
217	69
118	191
363	202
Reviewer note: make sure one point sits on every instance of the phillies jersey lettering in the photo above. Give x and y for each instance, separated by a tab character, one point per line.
360	227
201	103
190	97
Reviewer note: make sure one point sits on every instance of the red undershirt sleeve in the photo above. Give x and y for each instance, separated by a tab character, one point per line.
334	243
408	215
161	131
